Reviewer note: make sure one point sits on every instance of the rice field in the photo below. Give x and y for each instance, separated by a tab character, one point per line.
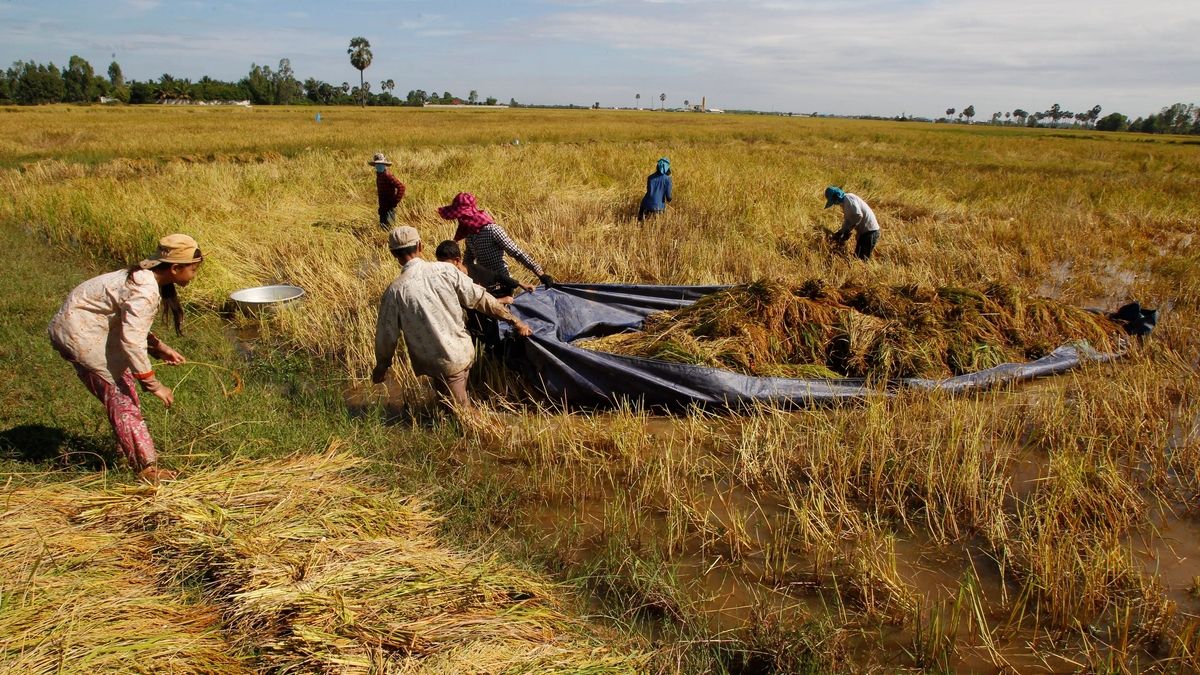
1044	527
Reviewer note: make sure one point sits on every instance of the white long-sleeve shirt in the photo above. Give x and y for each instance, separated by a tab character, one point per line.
105	322
428	304
857	216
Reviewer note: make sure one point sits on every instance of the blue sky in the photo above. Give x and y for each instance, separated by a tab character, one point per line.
879	57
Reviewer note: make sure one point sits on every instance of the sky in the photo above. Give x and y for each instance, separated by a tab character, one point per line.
845	57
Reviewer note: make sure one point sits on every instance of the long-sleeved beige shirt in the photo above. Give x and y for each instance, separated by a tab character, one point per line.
428	303
105	322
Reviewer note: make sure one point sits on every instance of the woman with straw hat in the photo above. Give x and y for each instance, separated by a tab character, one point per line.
103	330
388	187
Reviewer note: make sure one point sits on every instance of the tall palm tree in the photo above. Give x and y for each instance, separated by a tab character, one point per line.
663	101
637	100
360	58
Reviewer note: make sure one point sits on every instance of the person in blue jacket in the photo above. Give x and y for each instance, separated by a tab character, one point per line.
658	190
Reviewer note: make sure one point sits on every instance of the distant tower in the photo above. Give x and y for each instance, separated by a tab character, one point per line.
703	106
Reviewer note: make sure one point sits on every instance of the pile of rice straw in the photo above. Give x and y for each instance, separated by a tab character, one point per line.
814	330
76	599
309	572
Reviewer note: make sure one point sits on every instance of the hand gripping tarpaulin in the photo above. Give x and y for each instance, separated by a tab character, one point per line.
583	377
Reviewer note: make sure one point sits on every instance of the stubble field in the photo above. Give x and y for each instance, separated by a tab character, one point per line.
1048	526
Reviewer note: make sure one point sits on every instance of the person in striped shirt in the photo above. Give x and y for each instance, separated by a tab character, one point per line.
487	242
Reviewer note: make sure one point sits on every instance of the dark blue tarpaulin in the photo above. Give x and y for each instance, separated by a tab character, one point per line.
583	377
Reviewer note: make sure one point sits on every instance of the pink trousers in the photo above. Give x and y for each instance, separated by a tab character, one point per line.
124	413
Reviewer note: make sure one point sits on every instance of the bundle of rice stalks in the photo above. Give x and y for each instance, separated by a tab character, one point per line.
75	600
313	572
874	331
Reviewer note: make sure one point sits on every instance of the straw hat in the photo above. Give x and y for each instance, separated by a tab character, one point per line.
379	158
175	249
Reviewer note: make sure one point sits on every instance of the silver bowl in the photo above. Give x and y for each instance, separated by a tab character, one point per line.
254	300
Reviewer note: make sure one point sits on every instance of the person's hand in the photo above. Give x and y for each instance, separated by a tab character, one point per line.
378	374
506	300
168	355
527	287
152	474
547	280
522	328
164	394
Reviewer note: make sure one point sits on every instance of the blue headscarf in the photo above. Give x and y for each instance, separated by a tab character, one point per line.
664	166
833	195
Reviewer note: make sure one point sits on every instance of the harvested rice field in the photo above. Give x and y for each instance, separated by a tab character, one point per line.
322	524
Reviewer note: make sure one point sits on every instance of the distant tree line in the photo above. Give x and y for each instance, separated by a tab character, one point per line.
30	83
1180	118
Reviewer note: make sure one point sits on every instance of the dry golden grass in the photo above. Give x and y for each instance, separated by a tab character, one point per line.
1042	489
297	568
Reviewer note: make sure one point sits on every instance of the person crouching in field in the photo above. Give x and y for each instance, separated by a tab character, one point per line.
389	189
486	242
856	217
658	191
103	330
425	304
499	285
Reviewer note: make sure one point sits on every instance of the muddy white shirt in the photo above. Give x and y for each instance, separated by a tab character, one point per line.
104	323
857	216
428	303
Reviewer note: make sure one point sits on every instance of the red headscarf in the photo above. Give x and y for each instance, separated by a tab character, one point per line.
471	219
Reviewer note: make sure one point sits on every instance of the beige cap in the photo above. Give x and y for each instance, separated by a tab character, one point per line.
379	158
403	237
176	249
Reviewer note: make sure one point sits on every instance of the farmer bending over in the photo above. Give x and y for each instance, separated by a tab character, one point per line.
483	328
103	330
856	216
389	188
487	242
658	190
426	303
499	284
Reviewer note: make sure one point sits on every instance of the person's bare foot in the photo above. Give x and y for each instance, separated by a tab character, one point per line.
153	474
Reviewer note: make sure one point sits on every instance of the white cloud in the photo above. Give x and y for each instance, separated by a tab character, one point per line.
940	48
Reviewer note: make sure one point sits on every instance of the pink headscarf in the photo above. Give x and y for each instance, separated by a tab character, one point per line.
471	219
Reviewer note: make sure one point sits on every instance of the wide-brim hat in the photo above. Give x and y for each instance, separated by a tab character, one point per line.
176	249
379	158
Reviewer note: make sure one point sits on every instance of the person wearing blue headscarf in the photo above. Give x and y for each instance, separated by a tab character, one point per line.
856	217
658	190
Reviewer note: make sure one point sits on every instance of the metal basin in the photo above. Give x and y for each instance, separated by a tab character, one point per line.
253	300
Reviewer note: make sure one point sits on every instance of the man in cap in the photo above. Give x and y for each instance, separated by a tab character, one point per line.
857	217
390	190
428	303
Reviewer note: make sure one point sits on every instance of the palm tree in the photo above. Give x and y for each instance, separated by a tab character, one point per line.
949	112
637	98
685	104
360	58
663	99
